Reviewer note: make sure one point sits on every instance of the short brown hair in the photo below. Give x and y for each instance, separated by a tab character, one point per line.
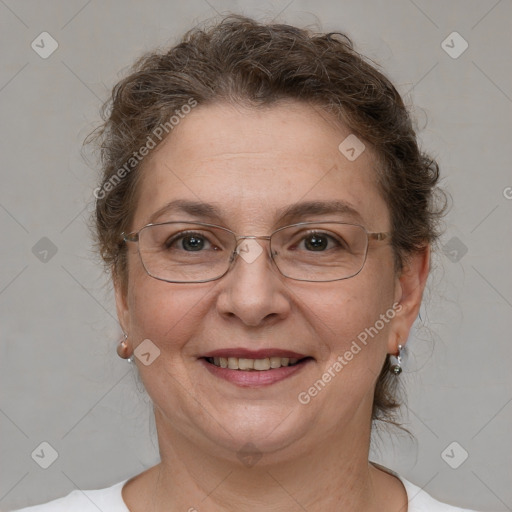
242	61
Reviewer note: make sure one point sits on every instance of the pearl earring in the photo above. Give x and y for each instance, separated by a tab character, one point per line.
123	349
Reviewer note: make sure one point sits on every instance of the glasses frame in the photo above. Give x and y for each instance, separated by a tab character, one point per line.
135	237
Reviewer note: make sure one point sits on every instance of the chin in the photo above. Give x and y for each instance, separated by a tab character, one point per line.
267	431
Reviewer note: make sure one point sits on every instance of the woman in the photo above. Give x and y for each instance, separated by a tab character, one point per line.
267	216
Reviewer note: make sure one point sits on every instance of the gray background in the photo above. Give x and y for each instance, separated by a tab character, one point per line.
61	380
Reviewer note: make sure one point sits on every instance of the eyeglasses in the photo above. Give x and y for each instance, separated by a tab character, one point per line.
195	252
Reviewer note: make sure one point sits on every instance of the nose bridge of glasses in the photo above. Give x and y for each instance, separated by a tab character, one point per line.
248	250
251	237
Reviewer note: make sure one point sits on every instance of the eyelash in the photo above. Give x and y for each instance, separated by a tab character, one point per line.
184	234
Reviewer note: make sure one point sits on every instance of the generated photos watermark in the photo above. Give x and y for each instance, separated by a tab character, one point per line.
343	360
152	140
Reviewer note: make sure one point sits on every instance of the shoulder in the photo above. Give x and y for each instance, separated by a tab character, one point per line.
420	501
109	499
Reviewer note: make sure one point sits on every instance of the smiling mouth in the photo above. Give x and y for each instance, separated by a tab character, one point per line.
244	364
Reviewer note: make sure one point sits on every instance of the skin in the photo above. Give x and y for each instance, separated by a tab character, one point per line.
314	456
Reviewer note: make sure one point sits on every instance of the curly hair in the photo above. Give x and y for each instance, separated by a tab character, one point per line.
240	60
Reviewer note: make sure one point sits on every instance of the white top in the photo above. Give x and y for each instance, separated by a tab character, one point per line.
110	500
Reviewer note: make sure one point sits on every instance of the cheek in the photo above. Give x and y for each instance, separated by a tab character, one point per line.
168	315
163	312
357	311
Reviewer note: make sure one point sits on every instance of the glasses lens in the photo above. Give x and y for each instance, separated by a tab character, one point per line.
185	252
320	251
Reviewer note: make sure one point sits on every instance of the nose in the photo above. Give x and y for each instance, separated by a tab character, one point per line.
253	290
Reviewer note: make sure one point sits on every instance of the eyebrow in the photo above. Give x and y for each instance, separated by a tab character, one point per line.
289	213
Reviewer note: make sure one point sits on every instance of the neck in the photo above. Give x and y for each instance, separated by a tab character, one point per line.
334	475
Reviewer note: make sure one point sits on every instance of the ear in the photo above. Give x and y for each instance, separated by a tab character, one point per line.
121	295
408	294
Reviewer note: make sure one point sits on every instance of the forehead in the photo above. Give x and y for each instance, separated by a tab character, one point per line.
253	164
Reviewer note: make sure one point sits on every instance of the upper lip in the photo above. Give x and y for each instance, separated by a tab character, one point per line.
254	354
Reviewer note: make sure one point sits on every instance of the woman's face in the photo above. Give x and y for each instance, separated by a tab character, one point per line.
251	165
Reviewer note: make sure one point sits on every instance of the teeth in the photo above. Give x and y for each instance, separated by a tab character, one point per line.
245	364
242	363
262	364
275	362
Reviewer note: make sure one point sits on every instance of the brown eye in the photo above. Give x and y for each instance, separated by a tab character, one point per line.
320	242
189	242
316	242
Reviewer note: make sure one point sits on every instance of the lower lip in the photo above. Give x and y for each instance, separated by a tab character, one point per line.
255	378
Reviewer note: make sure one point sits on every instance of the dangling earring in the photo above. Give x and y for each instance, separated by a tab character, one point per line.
123	349
396	366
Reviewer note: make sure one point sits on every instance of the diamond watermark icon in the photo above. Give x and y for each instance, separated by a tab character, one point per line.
146	352
44	250
249	455
454	455
351	147
44	45
45	455
454	45
249	250
454	249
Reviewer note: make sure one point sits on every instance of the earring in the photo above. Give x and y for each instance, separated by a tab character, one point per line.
123	349
396	366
